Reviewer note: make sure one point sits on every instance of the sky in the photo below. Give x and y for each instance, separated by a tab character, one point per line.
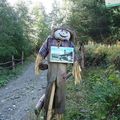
46	3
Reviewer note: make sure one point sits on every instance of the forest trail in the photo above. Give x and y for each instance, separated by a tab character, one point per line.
18	98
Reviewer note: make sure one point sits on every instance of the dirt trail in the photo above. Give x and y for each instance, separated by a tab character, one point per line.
18	98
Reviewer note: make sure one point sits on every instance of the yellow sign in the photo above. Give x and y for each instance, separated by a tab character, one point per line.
112	3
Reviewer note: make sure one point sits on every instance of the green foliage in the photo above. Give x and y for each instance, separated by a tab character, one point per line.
14	36
73	103
6	74
7	29
97	98
40	26
97	55
23	35
92	20
114	56
104	93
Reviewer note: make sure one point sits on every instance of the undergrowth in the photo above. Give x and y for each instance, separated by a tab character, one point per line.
102	55
7	74
96	98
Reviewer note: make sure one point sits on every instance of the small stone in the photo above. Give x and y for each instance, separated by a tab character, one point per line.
32	91
10	109
2	101
14	106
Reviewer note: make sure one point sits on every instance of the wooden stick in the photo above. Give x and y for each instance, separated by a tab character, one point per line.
49	113
68	75
39	105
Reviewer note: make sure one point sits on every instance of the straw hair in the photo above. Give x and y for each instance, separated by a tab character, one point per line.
37	63
77	72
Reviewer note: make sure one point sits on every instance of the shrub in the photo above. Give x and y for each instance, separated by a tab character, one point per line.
114	55
104	94
102	55
97	97
95	55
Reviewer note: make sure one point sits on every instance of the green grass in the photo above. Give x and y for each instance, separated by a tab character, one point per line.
6	75
96	98
76	101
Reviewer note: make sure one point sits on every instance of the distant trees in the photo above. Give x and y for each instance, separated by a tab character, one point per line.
40	26
13	38
24	30
93	21
21	29
113	15
7	30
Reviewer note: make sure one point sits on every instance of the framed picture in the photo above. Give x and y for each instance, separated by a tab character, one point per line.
62	54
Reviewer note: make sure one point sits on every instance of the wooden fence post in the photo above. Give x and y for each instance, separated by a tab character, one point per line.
13	62
22	57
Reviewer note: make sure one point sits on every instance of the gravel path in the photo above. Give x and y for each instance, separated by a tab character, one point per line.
18	98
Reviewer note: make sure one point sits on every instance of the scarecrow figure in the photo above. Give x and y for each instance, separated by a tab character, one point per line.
54	100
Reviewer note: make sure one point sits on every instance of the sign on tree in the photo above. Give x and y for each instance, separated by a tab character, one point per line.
112	3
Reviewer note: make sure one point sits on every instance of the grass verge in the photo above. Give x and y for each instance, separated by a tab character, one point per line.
6	75
96	98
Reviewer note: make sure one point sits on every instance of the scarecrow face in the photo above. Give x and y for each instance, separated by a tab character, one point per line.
62	34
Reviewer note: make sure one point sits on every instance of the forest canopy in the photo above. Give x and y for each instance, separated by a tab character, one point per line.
22	29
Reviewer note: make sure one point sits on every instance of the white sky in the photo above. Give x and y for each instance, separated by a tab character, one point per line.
112	1
46	3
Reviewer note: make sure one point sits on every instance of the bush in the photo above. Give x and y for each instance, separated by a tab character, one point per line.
97	97
116	62
95	55
102	55
114	56
103	91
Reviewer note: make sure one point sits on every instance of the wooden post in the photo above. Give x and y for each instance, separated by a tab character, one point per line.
22	57
13	62
49	113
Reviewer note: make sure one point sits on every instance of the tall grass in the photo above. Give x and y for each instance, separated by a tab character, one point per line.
102	55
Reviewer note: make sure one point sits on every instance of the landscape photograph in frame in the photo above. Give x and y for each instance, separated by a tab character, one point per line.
62	54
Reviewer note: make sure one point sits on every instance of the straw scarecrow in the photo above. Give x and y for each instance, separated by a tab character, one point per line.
54	100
